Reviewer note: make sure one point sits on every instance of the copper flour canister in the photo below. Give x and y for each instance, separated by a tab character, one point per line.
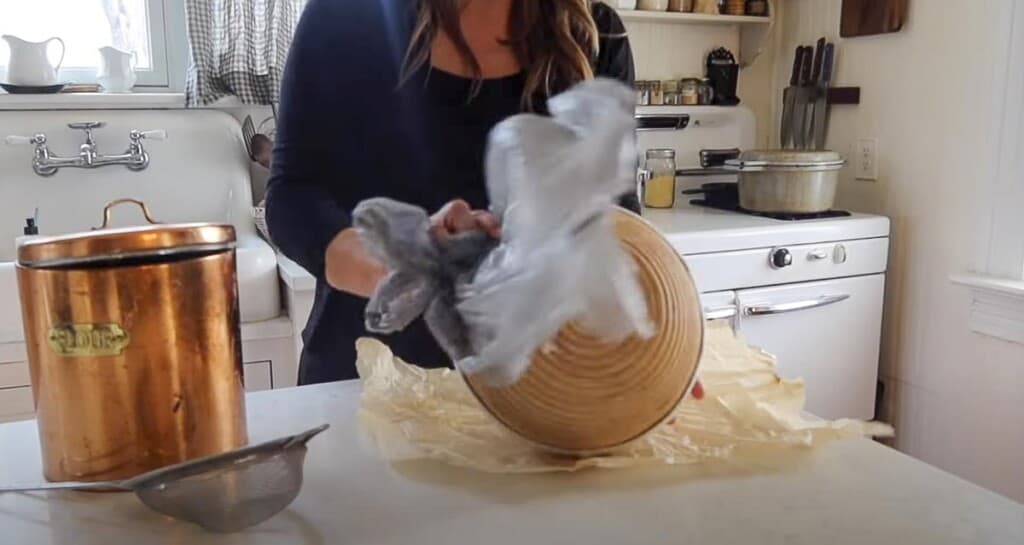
133	346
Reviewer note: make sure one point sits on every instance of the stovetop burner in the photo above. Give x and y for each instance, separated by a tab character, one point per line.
731	207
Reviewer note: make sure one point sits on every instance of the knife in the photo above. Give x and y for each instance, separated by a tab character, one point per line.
788	99
812	94
803	97
821	107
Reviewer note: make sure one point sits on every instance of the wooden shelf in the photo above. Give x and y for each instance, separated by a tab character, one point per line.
754	30
670	17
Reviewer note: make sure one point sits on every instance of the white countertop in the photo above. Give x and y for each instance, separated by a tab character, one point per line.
854	492
696	230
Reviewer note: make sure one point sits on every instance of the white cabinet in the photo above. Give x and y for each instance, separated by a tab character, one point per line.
16	404
258	376
827	333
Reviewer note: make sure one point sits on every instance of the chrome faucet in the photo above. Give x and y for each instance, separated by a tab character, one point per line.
45	164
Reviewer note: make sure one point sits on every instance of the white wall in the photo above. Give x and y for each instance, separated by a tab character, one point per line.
954	396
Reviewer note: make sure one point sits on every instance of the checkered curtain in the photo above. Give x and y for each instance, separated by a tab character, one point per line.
239	48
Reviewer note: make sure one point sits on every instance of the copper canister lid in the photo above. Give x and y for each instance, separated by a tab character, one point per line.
104	246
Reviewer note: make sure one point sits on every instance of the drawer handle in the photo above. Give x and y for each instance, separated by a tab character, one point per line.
719	313
803	304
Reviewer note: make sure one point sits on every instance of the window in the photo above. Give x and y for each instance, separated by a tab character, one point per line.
153	29
997	281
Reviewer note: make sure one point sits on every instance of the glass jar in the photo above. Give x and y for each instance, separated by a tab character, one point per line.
643	93
670	92
657	99
688	91
757	7
705	92
684	6
658	178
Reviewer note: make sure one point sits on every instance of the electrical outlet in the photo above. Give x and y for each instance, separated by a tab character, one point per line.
865	159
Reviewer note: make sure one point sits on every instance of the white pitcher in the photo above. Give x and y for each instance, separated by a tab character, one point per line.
29	64
117	70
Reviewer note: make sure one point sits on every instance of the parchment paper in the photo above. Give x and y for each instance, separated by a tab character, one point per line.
748	412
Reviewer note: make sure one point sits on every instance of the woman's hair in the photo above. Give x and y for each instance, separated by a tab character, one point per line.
553	40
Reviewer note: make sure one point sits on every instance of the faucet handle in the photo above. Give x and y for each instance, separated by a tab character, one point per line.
87	125
156	134
14	140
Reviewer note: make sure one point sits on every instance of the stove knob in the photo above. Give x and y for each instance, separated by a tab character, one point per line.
839	254
780	258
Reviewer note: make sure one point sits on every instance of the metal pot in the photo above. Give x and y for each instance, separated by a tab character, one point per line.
787	181
134	347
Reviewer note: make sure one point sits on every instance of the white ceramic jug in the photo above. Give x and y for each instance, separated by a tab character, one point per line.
29	64
117	70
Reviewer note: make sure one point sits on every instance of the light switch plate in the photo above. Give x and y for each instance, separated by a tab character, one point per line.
865	159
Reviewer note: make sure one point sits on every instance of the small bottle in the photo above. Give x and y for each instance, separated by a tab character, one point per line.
30	227
30	231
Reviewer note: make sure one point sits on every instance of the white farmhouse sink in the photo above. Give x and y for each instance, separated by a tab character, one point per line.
200	173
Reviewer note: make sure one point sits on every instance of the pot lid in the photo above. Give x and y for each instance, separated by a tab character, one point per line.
785	160
146	244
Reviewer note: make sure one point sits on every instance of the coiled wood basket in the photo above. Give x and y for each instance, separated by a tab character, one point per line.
583	395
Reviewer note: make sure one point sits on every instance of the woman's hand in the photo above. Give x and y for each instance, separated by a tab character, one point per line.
458	217
349	267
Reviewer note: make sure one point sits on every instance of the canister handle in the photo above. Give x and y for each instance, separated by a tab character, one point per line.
112	204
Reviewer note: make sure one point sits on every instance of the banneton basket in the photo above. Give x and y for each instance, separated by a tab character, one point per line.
584	395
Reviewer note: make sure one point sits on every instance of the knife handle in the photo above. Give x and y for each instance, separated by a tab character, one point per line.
819	53
805	66
797	61
826	68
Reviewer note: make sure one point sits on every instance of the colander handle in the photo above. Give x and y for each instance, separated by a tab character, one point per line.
304	437
119	485
112	204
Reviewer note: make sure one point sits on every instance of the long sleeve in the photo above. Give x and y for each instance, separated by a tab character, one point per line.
615	60
327	81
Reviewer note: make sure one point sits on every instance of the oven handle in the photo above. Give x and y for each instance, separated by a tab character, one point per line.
791	306
719	313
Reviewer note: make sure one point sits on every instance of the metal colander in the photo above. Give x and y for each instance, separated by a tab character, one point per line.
223	493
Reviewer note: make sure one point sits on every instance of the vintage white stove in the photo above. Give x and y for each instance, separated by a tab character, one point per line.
809	291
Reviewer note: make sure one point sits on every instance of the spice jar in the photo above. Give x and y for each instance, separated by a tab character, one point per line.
643	93
657	98
705	92
658	178
688	91
685	6
735	7
757	7
670	92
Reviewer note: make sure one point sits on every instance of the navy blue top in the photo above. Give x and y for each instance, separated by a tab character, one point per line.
348	131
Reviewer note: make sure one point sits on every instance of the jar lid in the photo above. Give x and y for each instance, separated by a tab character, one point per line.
148	244
661	153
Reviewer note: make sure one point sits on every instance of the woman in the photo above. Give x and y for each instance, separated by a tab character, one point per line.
395	98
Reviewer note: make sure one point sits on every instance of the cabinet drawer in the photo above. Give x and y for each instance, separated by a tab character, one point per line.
14	374
16	404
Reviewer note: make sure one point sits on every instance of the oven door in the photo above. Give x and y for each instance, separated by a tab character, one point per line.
827	333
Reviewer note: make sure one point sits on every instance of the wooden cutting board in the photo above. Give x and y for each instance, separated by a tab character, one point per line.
867	17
